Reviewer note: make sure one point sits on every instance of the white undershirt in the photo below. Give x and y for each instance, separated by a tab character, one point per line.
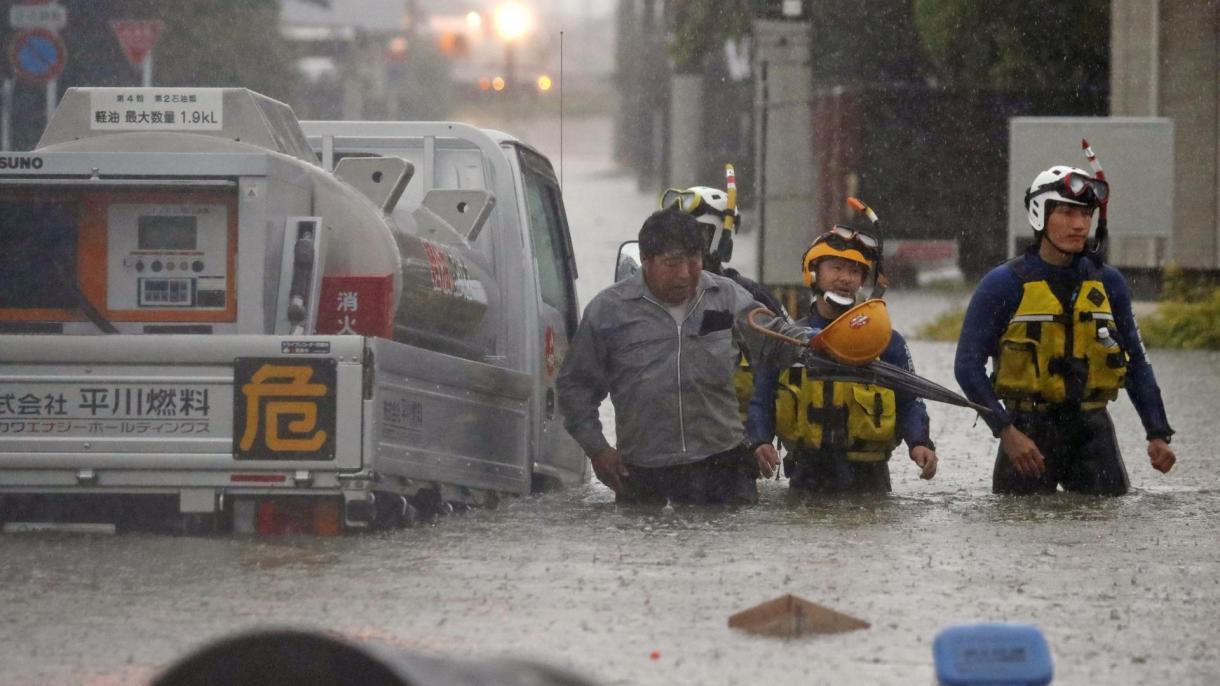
678	312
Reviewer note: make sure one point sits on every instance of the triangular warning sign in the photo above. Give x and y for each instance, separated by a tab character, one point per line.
137	37
788	616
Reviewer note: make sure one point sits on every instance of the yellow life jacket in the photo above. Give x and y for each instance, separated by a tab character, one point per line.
860	419
743	385
1048	356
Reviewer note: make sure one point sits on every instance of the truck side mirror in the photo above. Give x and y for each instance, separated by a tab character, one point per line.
629	260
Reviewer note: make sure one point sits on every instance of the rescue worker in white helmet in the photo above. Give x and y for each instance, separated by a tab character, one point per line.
839	434
1058	328
711	207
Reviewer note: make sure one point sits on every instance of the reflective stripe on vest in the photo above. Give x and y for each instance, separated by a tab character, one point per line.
859	419
1047	356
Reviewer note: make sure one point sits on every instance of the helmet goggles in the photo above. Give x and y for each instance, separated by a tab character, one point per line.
1084	189
842	237
691	202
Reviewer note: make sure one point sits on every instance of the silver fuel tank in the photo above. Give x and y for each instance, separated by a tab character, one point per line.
255	175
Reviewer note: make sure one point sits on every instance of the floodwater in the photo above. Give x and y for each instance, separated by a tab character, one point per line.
1127	590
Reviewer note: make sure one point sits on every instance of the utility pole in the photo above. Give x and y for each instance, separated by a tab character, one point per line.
783	131
651	119
625	79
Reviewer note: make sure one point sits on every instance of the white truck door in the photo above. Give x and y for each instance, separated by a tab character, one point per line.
558	455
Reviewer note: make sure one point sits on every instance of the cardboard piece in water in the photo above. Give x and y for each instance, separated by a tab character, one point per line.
789	616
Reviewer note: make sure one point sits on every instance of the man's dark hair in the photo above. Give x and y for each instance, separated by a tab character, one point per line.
670	230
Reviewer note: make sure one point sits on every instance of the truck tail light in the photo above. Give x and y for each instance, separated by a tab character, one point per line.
318	516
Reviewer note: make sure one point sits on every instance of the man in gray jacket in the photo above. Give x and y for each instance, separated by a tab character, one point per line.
663	344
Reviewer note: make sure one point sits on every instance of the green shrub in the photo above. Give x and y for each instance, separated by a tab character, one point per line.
1179	285
947	326
1191	324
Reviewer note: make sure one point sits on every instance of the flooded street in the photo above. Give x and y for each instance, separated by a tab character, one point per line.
1127	590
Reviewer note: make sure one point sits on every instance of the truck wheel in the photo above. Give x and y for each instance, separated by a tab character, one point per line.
394	511
491	500
410	516
429	505
544	484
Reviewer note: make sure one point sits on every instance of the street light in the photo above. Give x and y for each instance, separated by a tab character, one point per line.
397	47
512	21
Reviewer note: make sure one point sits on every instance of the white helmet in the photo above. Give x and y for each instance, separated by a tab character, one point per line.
708	205
1064	184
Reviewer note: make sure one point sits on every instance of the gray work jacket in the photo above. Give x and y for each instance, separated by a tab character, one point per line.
671	384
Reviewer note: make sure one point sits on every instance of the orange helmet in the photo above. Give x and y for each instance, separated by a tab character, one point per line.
858	336
843	242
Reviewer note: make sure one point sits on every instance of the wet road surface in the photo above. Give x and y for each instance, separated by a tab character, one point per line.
1127	590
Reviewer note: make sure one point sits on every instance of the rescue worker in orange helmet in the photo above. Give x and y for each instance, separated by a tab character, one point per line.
1057	325
839	434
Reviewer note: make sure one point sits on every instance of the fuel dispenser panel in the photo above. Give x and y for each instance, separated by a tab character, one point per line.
167	256
136	255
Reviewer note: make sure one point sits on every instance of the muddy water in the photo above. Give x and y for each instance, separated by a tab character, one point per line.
1127	590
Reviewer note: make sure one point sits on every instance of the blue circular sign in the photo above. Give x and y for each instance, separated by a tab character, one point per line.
38	55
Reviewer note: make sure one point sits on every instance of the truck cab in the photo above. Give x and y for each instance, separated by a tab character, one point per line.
525	243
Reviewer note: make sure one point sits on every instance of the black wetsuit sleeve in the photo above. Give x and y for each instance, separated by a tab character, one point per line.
762	295
1141	384
991	307
760	418
913	424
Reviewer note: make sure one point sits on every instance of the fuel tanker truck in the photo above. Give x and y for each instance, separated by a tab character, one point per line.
209	309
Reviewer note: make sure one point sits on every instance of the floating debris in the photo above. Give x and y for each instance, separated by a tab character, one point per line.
999	654
788	616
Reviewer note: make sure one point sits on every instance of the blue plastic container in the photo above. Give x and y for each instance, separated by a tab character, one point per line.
992	655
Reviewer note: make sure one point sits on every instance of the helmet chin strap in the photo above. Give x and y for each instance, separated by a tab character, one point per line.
838	300
1096	248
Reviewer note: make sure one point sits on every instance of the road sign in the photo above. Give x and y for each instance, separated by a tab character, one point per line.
38	55
137	37
47	15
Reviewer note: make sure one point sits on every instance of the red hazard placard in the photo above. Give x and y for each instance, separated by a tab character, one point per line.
356	305
137	37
